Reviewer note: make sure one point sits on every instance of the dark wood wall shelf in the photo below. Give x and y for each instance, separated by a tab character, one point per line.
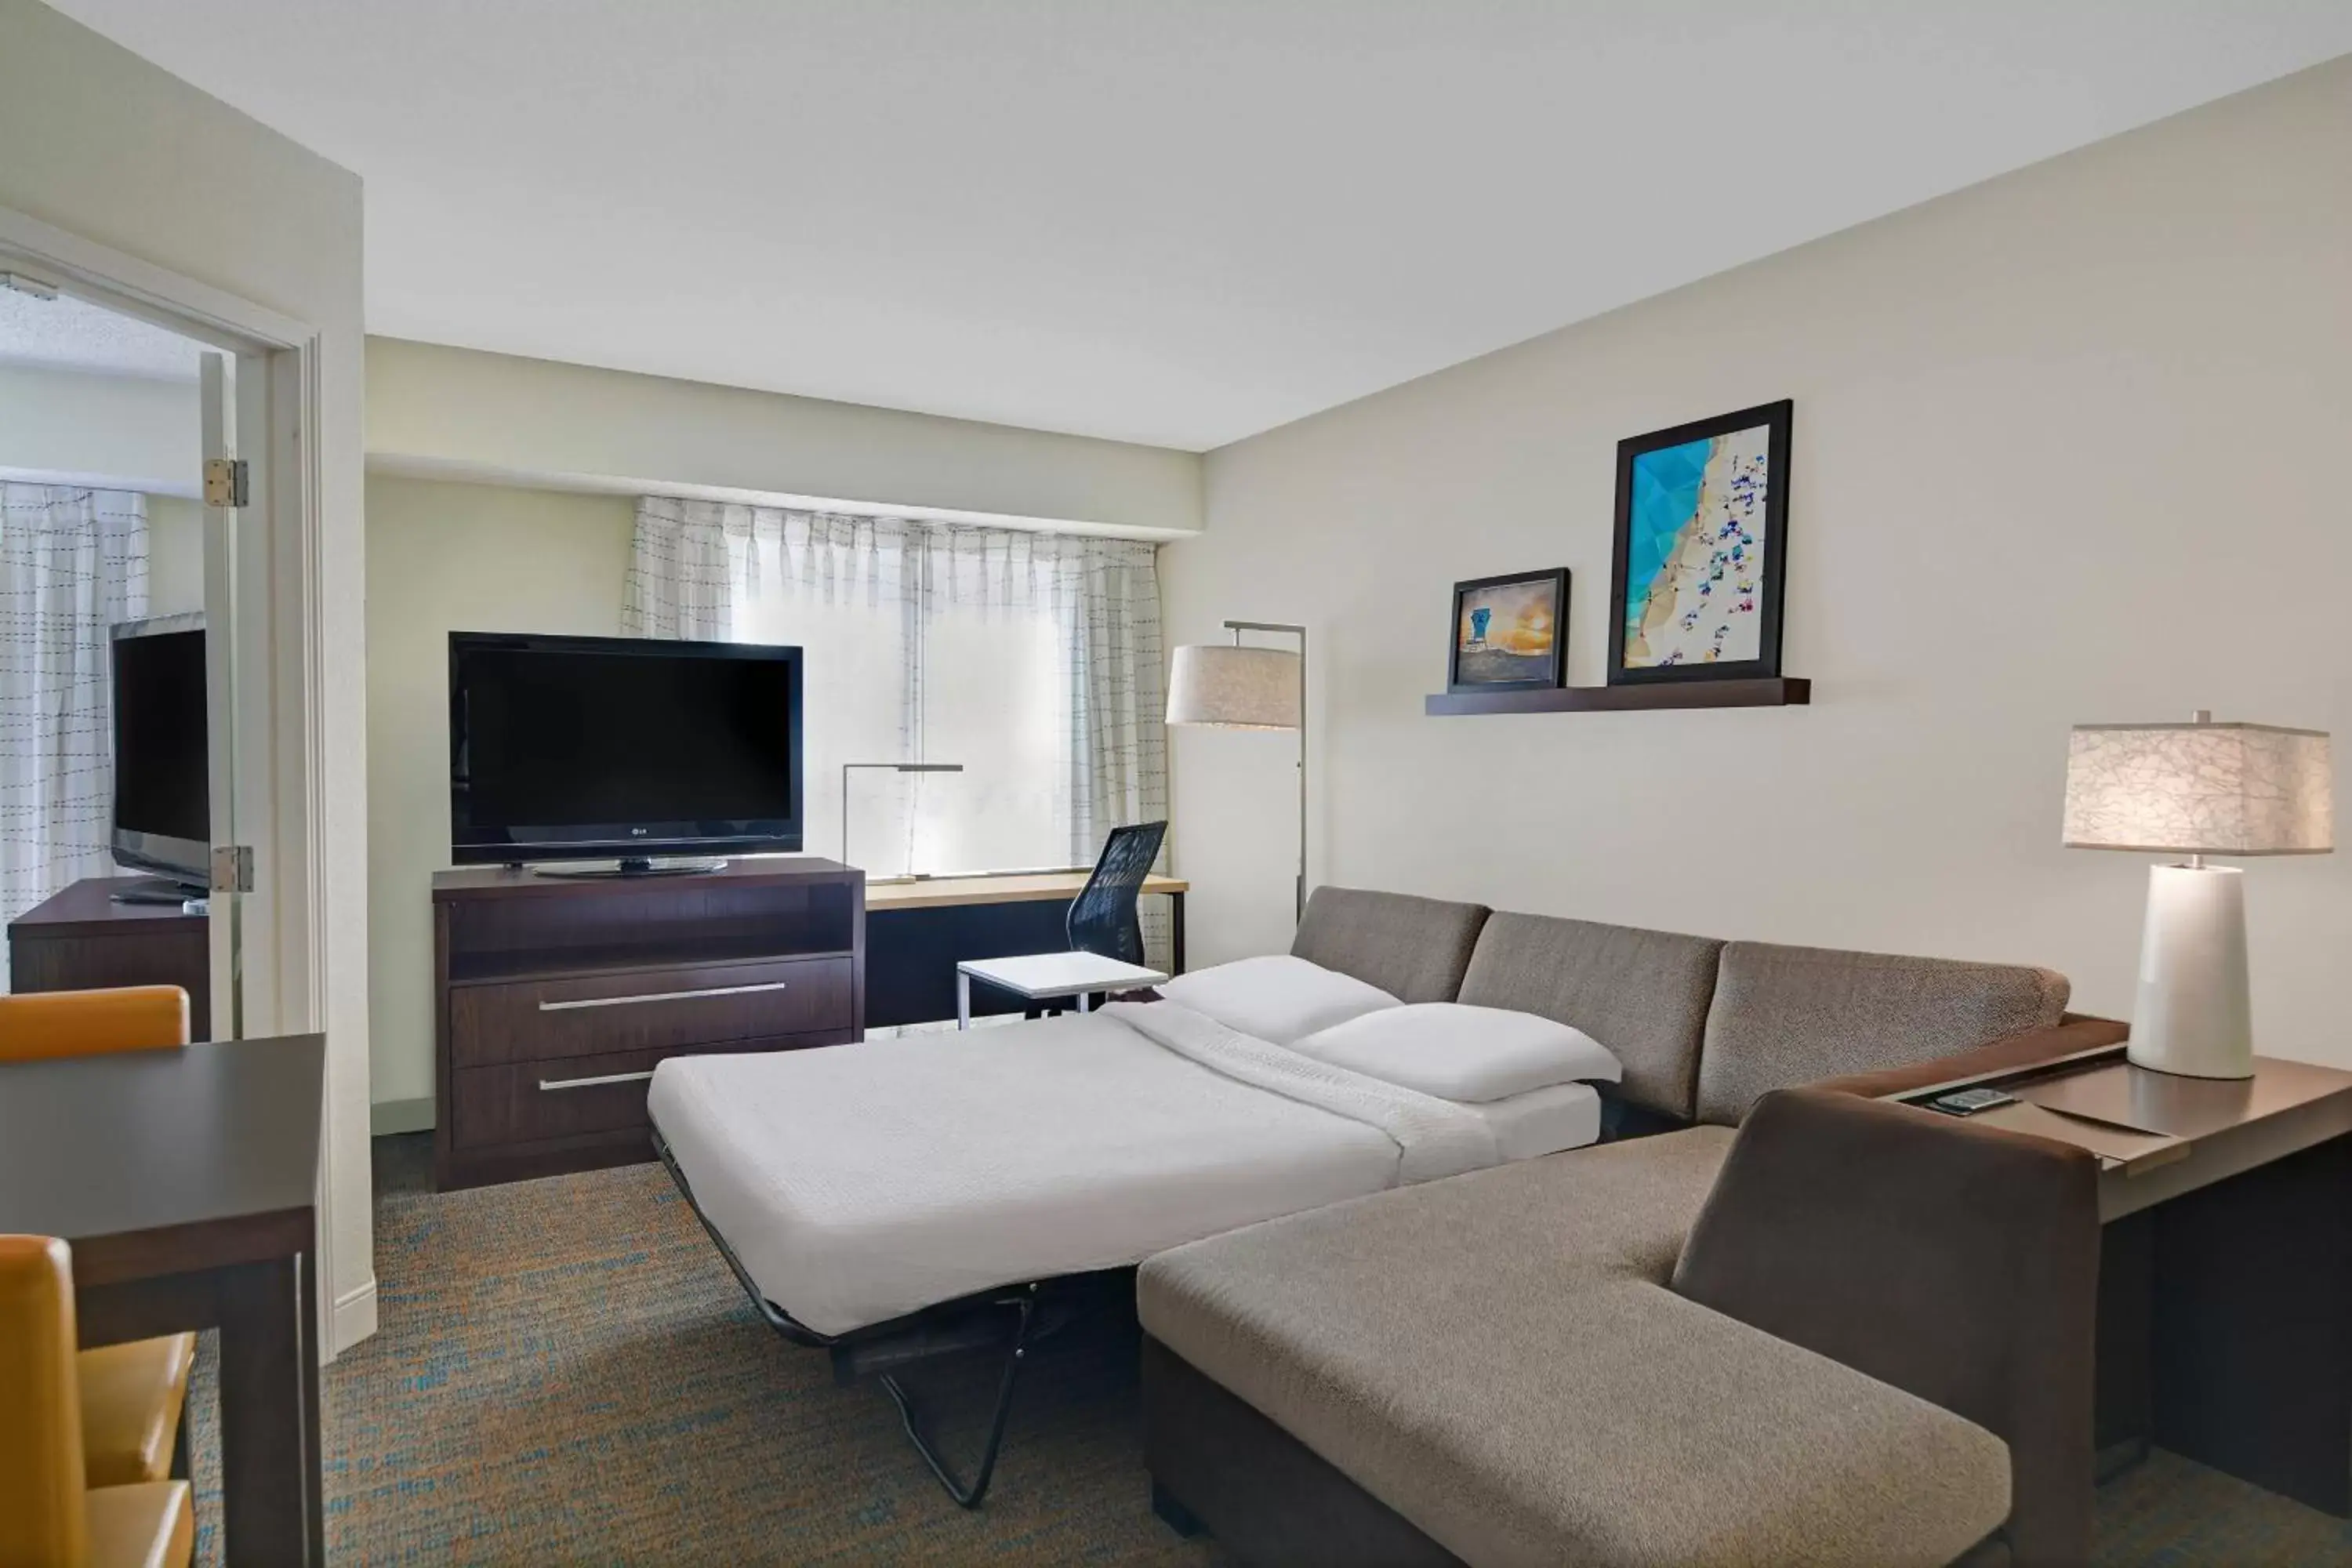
1781	692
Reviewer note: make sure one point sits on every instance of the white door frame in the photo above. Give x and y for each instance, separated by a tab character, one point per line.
281	645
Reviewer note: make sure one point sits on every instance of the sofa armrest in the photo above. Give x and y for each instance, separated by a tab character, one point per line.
1950	1259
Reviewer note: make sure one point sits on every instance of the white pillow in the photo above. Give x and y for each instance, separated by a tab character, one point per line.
1459	1052
1278	998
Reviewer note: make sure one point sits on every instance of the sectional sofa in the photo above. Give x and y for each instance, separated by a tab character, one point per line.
1762	1323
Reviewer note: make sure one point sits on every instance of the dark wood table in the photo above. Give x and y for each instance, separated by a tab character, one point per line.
185	1182
2225	1265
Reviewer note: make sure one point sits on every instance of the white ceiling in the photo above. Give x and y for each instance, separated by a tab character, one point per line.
1173	221
66	333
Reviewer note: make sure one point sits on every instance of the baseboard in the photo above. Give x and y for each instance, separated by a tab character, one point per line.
386	1116
353	1319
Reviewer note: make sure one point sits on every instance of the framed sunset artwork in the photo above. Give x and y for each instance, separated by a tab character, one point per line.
1510	633
1701	536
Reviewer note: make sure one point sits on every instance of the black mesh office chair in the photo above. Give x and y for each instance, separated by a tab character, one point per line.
1102	917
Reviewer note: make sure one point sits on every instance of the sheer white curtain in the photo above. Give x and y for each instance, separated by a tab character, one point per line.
72	562
1034	659
679	583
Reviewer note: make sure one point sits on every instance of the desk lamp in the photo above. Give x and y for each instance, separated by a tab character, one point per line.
847	768
2197	789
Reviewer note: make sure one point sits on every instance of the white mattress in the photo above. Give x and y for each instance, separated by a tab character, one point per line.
858	1183
1544	1120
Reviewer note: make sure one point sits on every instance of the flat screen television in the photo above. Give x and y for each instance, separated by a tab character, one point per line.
566	748
162	805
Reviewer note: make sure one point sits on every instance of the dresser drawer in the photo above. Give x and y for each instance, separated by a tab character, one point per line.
534	1020
525	1101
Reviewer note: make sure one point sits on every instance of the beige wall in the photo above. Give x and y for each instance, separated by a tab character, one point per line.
2069	448
120	431
175	555
498	415
116	432
117	152
445	558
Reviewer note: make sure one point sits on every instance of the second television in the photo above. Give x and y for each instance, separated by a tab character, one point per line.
569	748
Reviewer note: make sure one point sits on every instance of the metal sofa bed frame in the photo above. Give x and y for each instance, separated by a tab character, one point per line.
1009	1319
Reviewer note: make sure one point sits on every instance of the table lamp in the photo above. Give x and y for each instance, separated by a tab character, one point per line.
2197	789
1239	687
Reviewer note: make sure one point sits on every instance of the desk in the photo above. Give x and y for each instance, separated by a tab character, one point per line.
82	940
184	1180
2225	1263
917	931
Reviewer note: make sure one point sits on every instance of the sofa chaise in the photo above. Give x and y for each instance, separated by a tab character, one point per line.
1789	1324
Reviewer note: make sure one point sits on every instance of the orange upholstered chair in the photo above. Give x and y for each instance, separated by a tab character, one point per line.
48	1512
84	1023
133	1396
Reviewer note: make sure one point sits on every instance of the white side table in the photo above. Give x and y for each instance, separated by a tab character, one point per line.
1048	976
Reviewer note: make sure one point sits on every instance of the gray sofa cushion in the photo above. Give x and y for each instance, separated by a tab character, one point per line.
1497	1358
1789	1015
1642	993
1413	949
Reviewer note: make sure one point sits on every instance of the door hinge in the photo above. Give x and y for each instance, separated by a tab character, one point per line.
227	481
232	869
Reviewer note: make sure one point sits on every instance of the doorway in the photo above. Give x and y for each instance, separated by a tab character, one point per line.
262	565
119	667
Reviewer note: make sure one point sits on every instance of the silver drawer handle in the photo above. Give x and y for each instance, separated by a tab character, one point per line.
547	1084
662	996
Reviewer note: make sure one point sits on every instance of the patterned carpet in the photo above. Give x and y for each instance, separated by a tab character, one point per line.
566	1374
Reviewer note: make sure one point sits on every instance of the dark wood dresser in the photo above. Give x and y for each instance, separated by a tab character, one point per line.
82	940
557	995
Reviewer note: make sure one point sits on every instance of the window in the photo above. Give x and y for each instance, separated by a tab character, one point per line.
1025	658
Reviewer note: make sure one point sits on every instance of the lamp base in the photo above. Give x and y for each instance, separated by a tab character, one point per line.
2192	1016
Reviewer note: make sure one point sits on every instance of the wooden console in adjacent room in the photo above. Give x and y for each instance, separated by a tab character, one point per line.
82	940
556	996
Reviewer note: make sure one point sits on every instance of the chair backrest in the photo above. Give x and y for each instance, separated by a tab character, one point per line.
42	1023
42	1517
1102	917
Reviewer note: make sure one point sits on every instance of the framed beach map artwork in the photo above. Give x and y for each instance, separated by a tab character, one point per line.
1510	633
1695	586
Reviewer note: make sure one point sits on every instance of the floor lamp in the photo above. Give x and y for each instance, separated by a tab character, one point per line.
1239	688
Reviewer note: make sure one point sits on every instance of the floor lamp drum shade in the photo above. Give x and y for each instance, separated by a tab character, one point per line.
1244	687
1234	687
2197	789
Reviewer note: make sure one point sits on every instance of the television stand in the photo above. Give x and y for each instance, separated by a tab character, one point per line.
631	865
557	995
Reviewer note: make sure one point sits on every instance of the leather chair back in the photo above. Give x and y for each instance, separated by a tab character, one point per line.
42	1508
37	1025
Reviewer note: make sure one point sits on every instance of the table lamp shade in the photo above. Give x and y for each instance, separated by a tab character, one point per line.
1234	687
2200	789
2196	789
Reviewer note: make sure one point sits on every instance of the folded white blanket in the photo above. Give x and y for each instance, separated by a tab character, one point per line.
1434	1137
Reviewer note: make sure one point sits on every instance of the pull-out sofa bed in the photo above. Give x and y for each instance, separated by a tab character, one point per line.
1790	1324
